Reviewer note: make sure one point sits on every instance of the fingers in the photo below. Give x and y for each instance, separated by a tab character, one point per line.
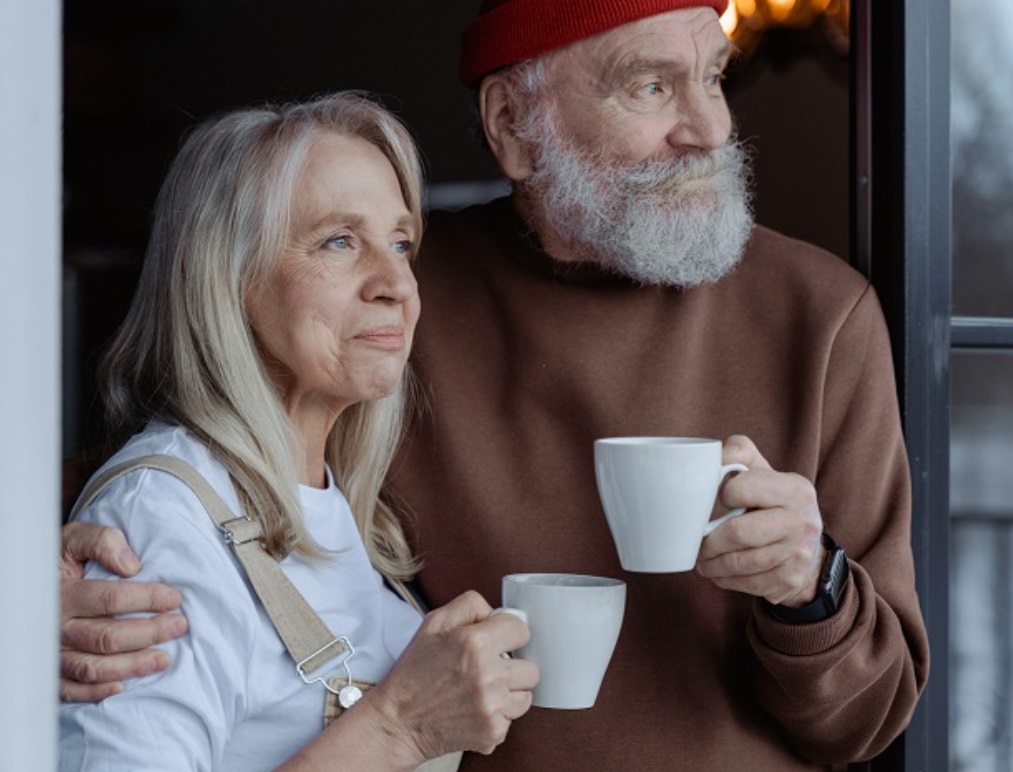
772	551
522	675
467	608
89	678
518	704
774	554
767	489
99	598
107	546
98	654
71	691
508	631
118	636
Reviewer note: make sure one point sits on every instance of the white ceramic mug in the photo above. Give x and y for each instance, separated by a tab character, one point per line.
658	494
574	622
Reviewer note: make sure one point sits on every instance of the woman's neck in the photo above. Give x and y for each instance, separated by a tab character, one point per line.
312	420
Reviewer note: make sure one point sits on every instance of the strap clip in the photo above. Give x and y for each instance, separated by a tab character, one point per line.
241	530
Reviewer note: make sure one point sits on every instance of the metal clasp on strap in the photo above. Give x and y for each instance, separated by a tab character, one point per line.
241	530
347	695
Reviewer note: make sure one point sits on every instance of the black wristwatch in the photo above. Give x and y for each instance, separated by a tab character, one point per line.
833	579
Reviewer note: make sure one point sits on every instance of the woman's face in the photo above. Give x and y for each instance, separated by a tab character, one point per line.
335	319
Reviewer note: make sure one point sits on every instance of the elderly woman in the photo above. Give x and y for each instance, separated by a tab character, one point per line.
266	348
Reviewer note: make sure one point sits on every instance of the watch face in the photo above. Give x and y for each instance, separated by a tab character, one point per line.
836	576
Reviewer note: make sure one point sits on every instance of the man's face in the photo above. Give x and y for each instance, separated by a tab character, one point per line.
648	90
632	165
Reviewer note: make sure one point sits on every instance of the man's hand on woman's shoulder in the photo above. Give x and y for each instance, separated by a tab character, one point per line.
97	651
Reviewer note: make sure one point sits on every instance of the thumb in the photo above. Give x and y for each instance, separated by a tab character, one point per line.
106	546
739	449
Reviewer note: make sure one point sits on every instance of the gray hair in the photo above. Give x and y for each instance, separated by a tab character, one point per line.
186	348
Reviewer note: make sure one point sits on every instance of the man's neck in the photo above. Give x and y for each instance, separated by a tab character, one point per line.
547	238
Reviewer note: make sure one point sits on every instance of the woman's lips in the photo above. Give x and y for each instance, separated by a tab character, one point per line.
389	337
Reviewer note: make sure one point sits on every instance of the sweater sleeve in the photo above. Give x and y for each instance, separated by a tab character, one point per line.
179	719
842	689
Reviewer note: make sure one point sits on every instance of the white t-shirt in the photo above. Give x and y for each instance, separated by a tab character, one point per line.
231	698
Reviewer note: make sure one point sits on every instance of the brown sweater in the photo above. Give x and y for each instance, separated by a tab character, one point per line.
524	362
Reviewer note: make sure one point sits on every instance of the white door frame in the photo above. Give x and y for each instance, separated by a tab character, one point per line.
30	243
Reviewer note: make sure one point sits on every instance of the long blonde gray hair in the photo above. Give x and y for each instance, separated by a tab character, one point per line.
186	348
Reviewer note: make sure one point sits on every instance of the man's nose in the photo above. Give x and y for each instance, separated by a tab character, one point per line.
703	121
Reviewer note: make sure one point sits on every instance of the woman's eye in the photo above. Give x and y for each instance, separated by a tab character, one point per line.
403	247
338	242
652	89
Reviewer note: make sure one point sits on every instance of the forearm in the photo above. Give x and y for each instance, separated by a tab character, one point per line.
840	689
844	688
362	738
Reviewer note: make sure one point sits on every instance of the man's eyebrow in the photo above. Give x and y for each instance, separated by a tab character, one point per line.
721	55
638	65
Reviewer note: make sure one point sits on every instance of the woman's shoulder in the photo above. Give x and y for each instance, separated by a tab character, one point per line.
143	499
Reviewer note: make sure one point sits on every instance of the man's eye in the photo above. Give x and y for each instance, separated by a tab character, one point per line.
653	89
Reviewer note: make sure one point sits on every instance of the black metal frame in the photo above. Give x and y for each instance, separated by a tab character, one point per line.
977	332
902	236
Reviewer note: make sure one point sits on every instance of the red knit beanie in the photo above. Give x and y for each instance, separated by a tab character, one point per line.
511	31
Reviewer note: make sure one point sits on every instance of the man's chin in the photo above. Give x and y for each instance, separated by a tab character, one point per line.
702	202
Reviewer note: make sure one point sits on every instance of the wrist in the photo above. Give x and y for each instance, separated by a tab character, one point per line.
362	737
833	578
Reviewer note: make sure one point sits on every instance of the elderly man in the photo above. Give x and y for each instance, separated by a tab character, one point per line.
621	290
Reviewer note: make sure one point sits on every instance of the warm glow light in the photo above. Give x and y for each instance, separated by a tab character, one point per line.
780	9
745	21
730	20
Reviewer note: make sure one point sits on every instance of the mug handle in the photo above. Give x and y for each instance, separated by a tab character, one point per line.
514	612
713	525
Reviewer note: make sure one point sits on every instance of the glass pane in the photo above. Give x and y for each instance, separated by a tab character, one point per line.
982	124
981	609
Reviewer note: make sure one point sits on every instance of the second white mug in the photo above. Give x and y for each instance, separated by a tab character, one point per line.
575	622
658	494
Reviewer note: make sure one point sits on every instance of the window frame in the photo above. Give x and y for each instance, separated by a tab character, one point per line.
901	237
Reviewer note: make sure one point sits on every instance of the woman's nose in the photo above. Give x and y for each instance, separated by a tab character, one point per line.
390	277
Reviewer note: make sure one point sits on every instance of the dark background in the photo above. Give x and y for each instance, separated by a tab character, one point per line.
137	75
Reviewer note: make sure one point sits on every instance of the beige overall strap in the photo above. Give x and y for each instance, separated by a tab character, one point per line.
303	632
307	638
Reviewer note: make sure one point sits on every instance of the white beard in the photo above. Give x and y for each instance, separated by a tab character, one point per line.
682	221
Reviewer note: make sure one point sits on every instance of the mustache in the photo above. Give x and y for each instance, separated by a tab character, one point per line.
686	175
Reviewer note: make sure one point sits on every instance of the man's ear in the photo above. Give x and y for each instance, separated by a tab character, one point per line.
501	111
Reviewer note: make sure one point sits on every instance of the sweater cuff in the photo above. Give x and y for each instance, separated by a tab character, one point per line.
802	640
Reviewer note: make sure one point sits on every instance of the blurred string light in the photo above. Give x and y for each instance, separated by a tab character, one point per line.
745	21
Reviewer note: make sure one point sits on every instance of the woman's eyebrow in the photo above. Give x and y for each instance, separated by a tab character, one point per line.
333	219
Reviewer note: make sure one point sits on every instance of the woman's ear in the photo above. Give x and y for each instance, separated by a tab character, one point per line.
501	112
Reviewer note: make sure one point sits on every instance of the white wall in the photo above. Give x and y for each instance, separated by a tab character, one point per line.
29	383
